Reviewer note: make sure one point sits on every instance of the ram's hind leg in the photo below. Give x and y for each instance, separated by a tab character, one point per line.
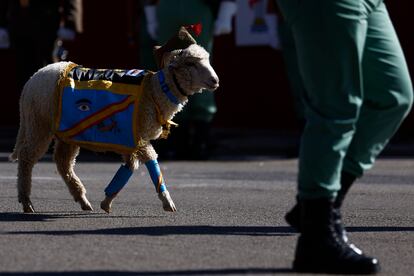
65	156
28	154
24	185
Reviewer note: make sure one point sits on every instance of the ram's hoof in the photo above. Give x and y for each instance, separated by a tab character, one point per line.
28	207
167	203
106	204
85	204
87	207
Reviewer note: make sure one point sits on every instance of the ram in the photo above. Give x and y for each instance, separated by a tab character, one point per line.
106	110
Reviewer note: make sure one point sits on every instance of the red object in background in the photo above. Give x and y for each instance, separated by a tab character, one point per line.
196	28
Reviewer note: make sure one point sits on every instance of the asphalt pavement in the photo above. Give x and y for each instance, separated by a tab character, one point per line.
229	220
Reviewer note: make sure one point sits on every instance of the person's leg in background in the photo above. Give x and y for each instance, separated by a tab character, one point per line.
190	140
33	43
26	60
44	44
330	38
146	46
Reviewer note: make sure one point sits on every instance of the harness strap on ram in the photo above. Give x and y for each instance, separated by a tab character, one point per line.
166	89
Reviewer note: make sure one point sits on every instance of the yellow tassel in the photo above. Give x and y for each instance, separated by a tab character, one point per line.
166	125
166	129
172	123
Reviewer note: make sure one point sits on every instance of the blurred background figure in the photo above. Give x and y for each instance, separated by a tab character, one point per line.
162	20
34	27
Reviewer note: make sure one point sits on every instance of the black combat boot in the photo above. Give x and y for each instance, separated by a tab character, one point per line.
293	216
320	249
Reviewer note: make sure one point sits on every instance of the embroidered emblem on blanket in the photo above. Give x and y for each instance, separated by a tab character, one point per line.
97	108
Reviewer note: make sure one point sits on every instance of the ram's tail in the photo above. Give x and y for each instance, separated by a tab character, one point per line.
19	141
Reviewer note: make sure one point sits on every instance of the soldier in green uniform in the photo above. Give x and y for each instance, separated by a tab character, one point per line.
357	92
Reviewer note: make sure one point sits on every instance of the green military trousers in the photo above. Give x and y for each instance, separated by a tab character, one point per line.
172	14
357	87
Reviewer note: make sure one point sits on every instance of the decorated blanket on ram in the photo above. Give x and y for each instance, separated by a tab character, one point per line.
97	108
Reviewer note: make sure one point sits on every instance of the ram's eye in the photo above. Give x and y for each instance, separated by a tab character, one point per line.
84	105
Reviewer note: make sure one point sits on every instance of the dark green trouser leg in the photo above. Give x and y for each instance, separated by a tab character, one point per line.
291	65
344	51
387	93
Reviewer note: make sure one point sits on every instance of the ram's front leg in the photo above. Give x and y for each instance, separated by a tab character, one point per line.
156	177
120	179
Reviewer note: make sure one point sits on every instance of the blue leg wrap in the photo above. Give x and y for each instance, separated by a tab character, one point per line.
119	180
156	175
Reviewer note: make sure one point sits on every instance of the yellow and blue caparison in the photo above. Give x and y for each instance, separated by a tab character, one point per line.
98	108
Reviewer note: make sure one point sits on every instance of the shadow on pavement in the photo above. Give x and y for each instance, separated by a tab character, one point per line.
172	230
380	229
225	271
48	216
